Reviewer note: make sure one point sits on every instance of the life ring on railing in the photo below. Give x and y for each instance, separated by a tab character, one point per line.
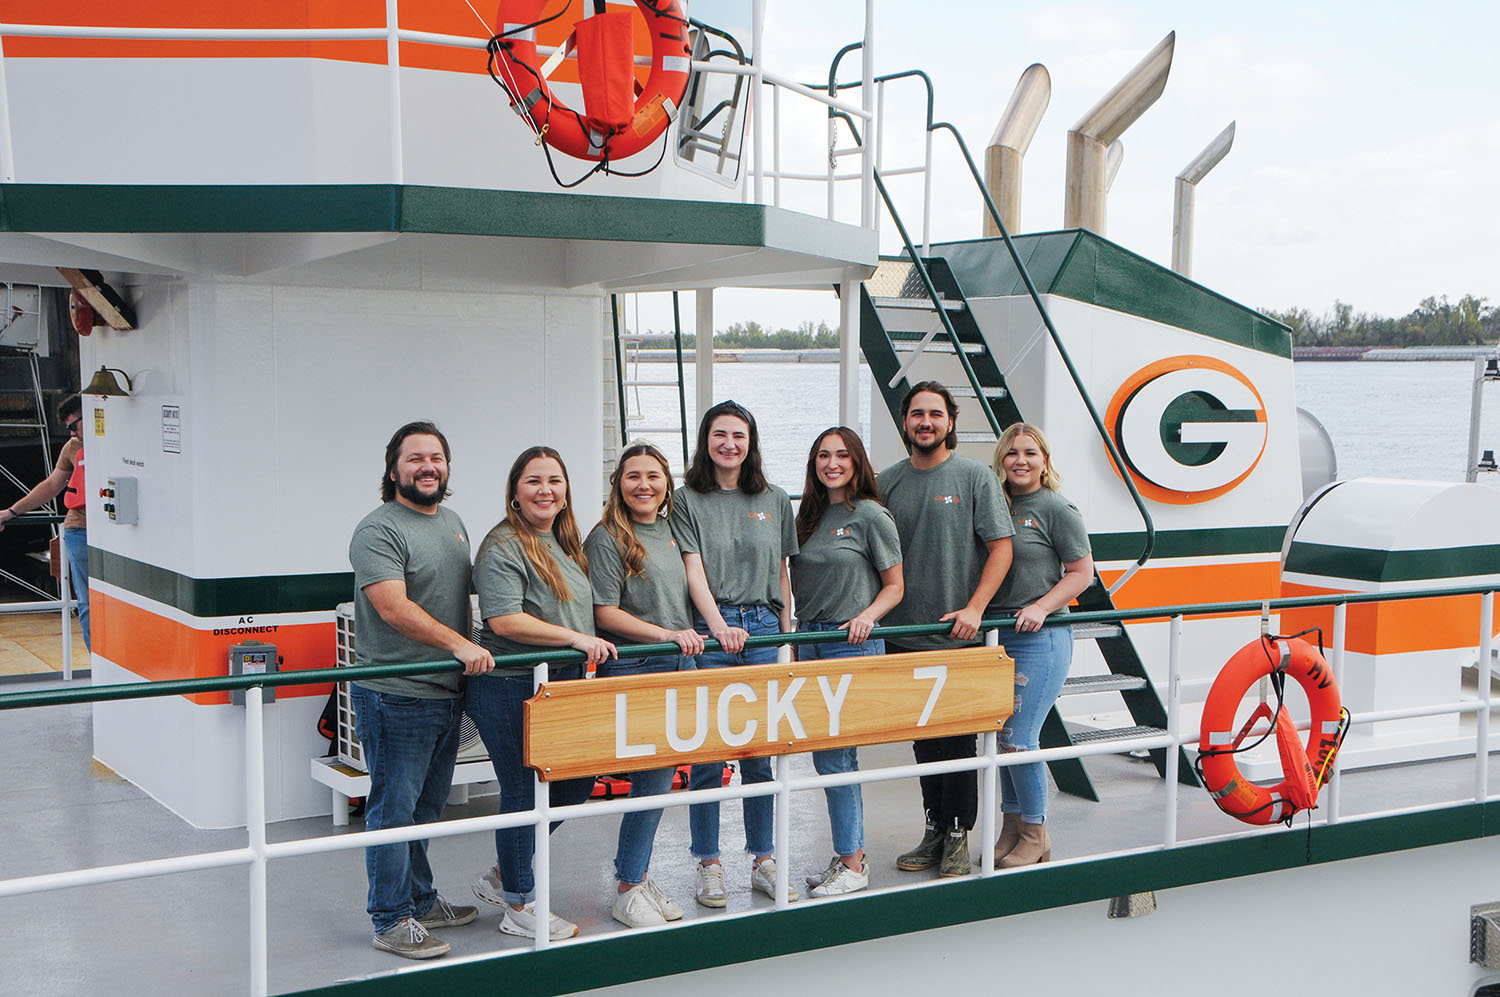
612	127
1305	766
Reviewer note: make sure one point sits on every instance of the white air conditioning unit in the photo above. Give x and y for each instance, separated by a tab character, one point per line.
470	745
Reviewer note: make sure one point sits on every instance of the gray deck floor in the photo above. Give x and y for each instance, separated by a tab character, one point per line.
186	933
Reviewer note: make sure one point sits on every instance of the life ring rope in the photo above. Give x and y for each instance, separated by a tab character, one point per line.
1230	790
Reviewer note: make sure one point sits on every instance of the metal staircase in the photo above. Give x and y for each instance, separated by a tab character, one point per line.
915	325
628	385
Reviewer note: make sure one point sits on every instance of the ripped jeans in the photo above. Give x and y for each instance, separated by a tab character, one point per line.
1042	658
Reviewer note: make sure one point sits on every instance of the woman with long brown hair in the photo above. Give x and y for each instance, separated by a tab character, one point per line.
531	574
846	576
641	597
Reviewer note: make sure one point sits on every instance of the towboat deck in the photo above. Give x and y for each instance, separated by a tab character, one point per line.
187	933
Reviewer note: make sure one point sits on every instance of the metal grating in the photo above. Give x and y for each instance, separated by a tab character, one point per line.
1484	935
896	279
1116	734
1133	905
1078	685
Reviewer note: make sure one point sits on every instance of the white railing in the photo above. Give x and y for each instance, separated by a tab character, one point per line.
987	762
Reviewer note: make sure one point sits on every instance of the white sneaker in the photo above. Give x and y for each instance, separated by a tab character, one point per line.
711	885
489	889
818	877
669	910
635	908
763	878
843	880
523	923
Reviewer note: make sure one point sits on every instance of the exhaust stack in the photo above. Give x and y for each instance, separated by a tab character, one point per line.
1002	157
1186	190
1089	140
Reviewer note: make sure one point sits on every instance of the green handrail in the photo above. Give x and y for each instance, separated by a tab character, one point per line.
147	690
614	313
989	203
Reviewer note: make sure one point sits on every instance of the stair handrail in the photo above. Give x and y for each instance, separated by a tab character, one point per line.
1031	289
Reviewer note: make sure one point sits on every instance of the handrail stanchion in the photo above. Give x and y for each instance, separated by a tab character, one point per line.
782	848
776	146
1482	677
988	776
541	853
255	827
393	90
867	103
758	57
1340	630
65	597
1174	709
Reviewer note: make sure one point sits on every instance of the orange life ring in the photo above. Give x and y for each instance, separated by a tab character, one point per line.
566	130
1305	767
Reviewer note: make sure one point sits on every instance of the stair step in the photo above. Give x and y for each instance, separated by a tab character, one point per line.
1078	685
1113	734
1096	631
922	304
965	391
939	346
914	335
976	436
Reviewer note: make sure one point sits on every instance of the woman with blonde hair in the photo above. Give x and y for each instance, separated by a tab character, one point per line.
641	597
1051	564
531	574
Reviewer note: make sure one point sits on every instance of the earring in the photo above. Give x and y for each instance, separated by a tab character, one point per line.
562	507
515	504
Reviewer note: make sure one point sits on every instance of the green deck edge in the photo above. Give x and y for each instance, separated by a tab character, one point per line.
410	208
630	957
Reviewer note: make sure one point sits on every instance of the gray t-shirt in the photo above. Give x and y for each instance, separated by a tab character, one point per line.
507	582
945	516
741	538
1049	531
836	574
430	554
660	595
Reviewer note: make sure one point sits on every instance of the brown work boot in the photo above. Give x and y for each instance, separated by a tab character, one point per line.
956	860
1010	836
1035	847
925	855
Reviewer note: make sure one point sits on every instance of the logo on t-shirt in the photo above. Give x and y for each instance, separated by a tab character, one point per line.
460	538
841	531
671	542
1028	521
762	516
948	499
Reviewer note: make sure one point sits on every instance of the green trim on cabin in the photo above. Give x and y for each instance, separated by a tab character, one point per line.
1366	565
1081	265
1190	543
242	208
207	597
710	942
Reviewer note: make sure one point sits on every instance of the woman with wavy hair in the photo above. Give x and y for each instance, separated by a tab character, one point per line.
846	576
531	574
735	530
641	597
1052	563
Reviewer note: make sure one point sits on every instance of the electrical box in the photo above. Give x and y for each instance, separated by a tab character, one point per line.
119	495
253	657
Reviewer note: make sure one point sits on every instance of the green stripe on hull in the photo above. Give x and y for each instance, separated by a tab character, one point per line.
1189	543
711	942
1365	565
246	596
1083	266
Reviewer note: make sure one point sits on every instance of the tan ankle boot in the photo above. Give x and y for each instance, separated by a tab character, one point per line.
1034	847
1010	836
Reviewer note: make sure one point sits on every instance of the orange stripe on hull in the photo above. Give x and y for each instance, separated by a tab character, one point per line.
160	649
1194	583
1391	627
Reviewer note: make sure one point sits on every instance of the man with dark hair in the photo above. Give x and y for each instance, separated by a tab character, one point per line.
411	603
955	533
66	479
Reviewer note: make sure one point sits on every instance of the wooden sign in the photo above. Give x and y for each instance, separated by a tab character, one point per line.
590	727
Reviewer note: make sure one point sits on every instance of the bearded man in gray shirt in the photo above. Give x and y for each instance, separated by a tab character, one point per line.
411	604
955	534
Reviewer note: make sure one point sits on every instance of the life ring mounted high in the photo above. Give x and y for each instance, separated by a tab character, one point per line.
612	127
1305	766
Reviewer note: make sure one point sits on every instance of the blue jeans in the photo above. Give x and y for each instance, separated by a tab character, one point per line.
76	543
846	808
494	703
638	829
409	746
1042	658
760	811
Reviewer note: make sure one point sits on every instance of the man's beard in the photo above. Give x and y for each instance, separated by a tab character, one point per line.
411	491
941	442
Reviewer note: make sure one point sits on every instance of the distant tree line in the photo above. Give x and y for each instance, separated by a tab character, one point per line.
752	335
1435	322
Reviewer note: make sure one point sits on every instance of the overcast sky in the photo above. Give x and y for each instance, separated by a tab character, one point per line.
1366	161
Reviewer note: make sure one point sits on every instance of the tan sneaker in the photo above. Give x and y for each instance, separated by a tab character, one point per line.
409	939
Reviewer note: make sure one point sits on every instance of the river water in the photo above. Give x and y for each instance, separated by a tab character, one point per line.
1394	419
